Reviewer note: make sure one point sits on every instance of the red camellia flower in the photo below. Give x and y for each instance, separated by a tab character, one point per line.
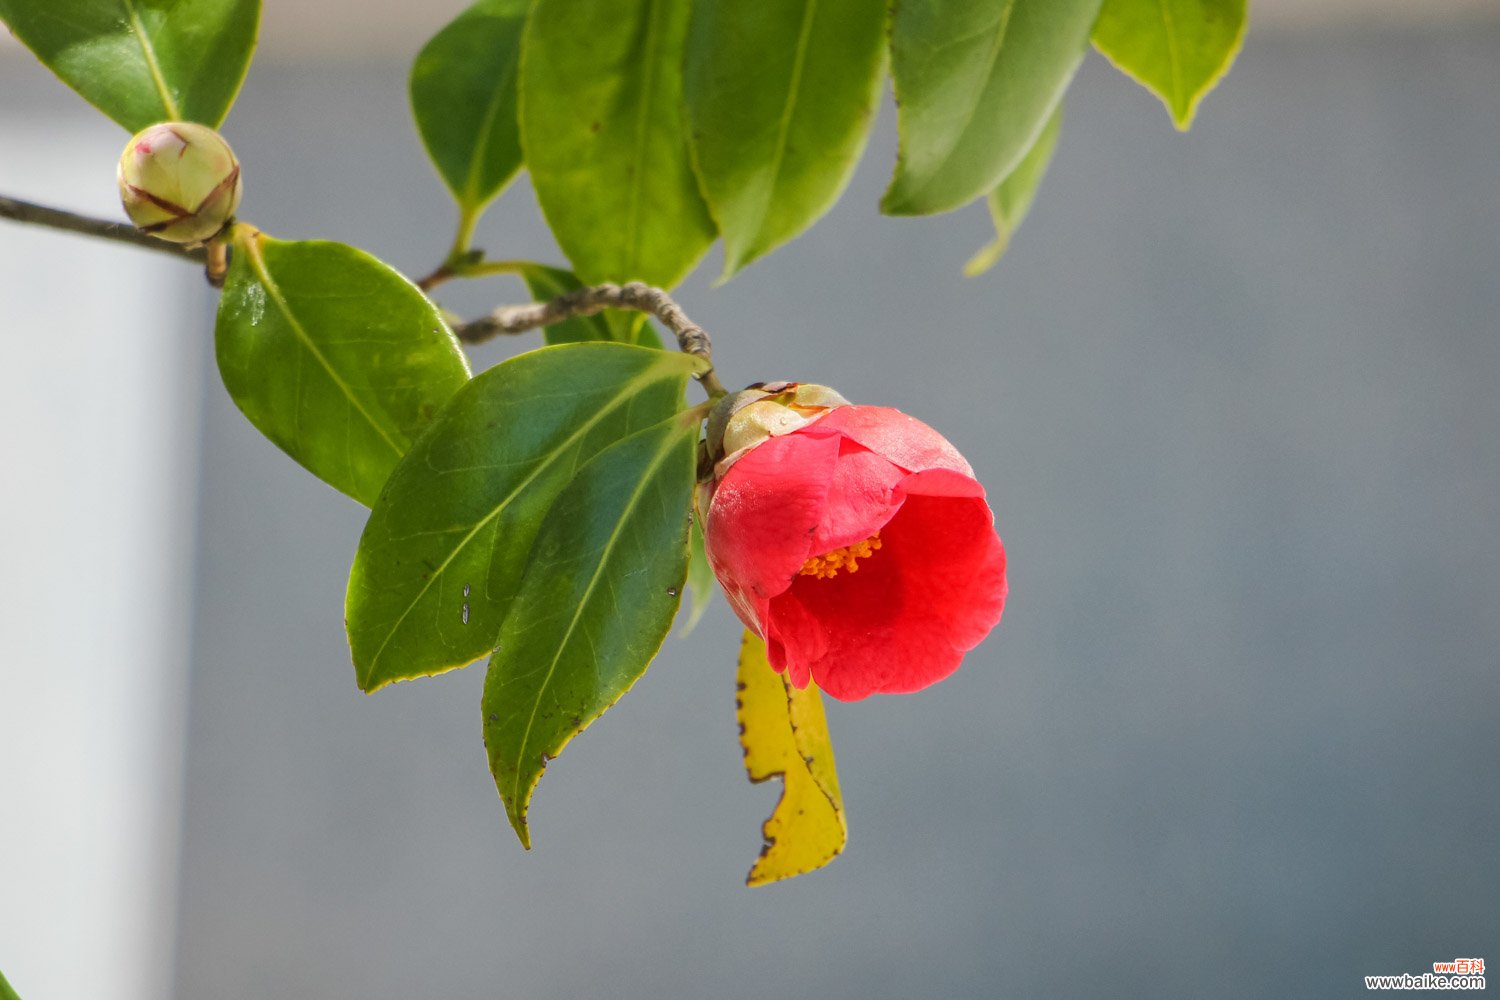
853	539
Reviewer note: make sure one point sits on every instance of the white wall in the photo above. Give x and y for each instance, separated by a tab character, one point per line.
98	477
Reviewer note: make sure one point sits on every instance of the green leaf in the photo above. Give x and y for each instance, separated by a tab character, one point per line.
143	61
598	598
785	735
976	81
446	546
700	580
463	95
1177	49
334	356
1010	202
605	141
781	95
6	992
611	325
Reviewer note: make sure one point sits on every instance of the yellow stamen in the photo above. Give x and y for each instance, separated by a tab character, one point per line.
827	566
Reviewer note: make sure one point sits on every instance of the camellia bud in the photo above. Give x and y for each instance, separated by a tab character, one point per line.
746	418
179	181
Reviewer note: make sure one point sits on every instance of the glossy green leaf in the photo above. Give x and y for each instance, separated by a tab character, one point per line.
611	325
781	95
463	95
600	591
446	546
143	61
976	81
334	356
1009	203
1177	49
700	580
605	140
784	733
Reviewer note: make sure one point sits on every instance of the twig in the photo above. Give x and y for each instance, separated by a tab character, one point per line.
691	338
435	277
471	265
56	218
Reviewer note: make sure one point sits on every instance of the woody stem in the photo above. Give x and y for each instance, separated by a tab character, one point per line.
55	218
691	338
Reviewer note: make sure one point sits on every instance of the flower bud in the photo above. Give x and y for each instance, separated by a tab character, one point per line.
744	419
179	181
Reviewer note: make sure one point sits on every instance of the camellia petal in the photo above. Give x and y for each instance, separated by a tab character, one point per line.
767	513
903	440
861	548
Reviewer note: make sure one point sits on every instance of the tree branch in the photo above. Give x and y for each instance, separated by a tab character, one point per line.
691	338
56	218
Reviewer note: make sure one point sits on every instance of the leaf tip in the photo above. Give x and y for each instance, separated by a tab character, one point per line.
987	256
891	203
1184	113
523	832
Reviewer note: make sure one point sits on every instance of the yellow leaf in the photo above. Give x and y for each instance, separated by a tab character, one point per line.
785	735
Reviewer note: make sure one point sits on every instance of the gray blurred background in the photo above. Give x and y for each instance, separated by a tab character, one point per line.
1234	396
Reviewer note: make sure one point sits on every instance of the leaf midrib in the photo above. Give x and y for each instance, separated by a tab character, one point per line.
799	60
662	453
1170	30
626	392
1001	33
258	262
148	51
642	121
482	146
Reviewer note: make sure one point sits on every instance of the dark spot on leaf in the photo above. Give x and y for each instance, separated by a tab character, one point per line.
594	128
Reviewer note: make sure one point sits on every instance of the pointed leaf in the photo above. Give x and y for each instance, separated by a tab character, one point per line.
463	95
1009	203
781	95
1177	49
334	356
785	735
143	61
611	325
605	141
700	580
600	591
975	83
446	545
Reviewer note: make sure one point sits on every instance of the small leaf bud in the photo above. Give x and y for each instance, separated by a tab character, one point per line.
179	181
